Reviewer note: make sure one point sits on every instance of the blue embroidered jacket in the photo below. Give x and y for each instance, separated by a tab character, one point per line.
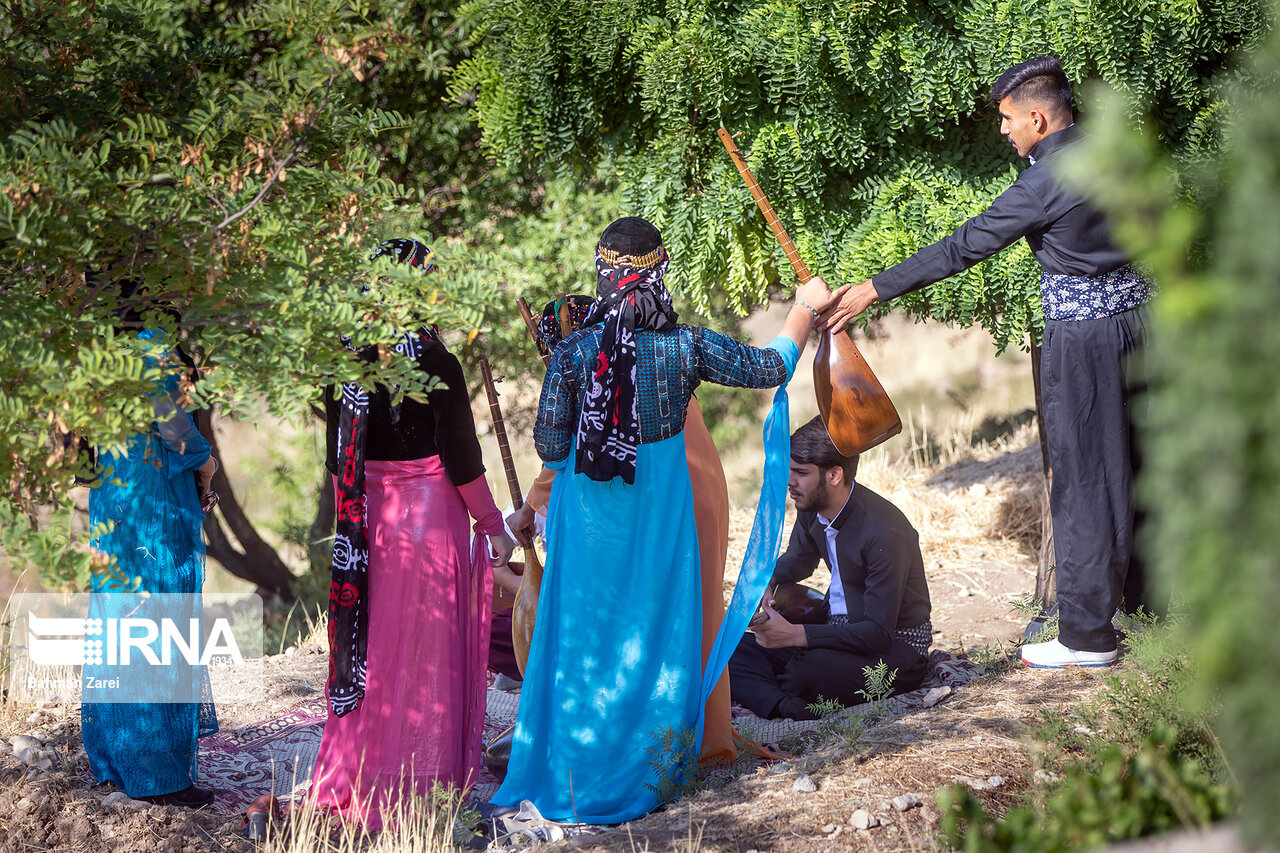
669	366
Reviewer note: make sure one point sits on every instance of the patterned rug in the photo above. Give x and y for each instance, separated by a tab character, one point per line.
276	756
947	673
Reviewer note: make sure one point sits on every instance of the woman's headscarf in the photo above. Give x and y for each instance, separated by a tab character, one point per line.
630	264
349	571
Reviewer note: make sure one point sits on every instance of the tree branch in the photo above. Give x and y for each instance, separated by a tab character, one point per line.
280	167
257	562
262	193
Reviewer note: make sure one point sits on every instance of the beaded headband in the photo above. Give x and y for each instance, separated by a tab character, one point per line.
635	262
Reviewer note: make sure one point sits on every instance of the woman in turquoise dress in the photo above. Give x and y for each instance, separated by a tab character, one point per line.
611	709
151	497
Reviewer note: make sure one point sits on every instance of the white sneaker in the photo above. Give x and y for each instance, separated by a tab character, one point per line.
1054	655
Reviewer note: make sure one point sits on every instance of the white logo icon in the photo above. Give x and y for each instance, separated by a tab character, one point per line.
64	642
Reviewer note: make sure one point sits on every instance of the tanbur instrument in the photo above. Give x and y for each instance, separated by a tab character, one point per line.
797	603
526	604
532	326
854	406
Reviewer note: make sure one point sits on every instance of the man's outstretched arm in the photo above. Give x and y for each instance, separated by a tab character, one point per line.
1016	212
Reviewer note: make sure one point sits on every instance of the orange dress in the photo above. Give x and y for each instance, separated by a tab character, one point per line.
711	518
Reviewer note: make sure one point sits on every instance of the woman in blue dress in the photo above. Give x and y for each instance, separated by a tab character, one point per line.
151	497
612	703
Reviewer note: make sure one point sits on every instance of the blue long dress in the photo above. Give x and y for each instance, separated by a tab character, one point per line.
149	495
611	708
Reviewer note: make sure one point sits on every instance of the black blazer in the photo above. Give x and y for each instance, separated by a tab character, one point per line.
880	566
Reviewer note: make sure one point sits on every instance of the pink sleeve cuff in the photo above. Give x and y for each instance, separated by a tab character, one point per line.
480	505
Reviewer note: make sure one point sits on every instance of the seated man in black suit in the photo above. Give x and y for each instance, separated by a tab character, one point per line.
878	600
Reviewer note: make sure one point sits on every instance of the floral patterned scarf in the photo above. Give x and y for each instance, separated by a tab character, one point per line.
631	296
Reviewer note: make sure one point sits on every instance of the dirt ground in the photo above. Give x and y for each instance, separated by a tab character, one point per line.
979	733
65	809
976	510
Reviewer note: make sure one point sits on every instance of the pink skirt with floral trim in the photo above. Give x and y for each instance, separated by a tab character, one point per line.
430	589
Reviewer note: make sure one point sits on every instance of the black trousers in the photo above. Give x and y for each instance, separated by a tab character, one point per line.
1091	381
760	678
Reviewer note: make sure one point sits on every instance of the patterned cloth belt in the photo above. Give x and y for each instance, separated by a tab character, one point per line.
919	638
1091	297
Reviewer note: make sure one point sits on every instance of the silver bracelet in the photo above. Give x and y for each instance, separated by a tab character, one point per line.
804	304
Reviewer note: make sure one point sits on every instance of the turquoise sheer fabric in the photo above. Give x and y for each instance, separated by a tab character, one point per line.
611	711
766	528
612	687
148	495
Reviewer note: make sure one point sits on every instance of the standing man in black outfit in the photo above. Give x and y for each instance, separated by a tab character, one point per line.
1095	327
878	599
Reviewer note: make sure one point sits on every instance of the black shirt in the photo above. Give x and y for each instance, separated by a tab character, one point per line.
880	567
1066	235
441	426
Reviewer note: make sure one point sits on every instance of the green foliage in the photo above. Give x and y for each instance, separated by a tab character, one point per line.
843	726
865	121
1128	794
1134	761
836	725
879	682
673	755
822	708
1029	607
537	253
1212	476
230	159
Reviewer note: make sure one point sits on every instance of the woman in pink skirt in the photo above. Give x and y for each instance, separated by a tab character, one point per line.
409	601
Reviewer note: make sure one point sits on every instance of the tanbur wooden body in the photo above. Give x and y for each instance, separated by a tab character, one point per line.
854	406
857	411
797	603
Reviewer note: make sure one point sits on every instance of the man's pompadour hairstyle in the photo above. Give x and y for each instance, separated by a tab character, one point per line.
811	445
1040	80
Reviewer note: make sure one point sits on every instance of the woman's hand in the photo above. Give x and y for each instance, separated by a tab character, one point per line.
204	484
521	523
811	299
502	546
814	295
204	474
505	578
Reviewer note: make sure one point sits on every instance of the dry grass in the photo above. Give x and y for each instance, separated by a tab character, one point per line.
419	825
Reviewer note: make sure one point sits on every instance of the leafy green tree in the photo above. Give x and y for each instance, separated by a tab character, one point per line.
866	124
866	120
227	157
1212	478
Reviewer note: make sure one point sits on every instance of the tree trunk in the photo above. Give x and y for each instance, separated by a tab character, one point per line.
320	536
254	560
1046	579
